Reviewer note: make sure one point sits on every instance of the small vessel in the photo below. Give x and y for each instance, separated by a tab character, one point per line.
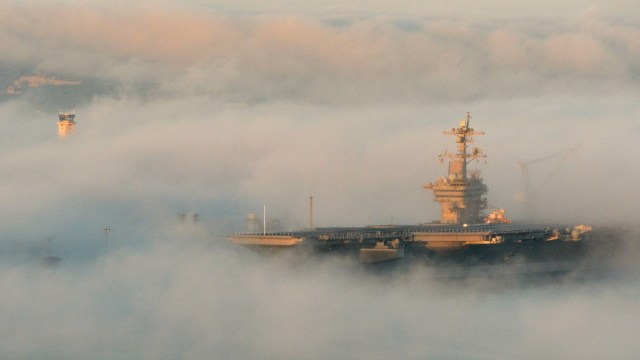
382	252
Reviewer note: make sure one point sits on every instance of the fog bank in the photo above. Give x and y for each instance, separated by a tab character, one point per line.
216	110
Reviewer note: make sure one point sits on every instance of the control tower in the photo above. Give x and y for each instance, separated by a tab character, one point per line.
460	194
66	123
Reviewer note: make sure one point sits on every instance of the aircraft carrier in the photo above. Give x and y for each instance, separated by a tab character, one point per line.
463	233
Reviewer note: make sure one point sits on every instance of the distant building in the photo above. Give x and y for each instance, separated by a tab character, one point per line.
186	218
66	123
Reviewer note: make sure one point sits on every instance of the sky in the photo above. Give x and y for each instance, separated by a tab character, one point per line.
221	108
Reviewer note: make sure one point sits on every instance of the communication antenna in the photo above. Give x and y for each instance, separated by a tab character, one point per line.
264	219
106	230
311	212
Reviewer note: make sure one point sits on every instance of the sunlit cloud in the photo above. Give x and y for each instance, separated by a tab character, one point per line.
255	58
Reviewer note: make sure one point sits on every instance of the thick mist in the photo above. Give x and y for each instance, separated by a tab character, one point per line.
185	296
192	108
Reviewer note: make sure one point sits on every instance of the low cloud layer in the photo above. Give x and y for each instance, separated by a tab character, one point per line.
302	58
220	110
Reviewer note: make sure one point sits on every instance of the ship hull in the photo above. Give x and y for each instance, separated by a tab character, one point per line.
432	243
374	256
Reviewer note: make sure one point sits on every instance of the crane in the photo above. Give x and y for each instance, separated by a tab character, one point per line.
529	191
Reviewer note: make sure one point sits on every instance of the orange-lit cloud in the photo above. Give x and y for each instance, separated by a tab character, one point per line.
309	58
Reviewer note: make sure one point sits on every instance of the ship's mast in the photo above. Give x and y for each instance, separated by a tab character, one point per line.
460	196
458	161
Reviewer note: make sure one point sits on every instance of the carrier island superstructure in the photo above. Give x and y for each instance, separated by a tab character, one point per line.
462	233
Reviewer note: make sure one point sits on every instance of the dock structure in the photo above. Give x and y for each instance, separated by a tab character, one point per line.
463	229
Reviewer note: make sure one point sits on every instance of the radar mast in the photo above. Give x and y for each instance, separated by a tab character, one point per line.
461	196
